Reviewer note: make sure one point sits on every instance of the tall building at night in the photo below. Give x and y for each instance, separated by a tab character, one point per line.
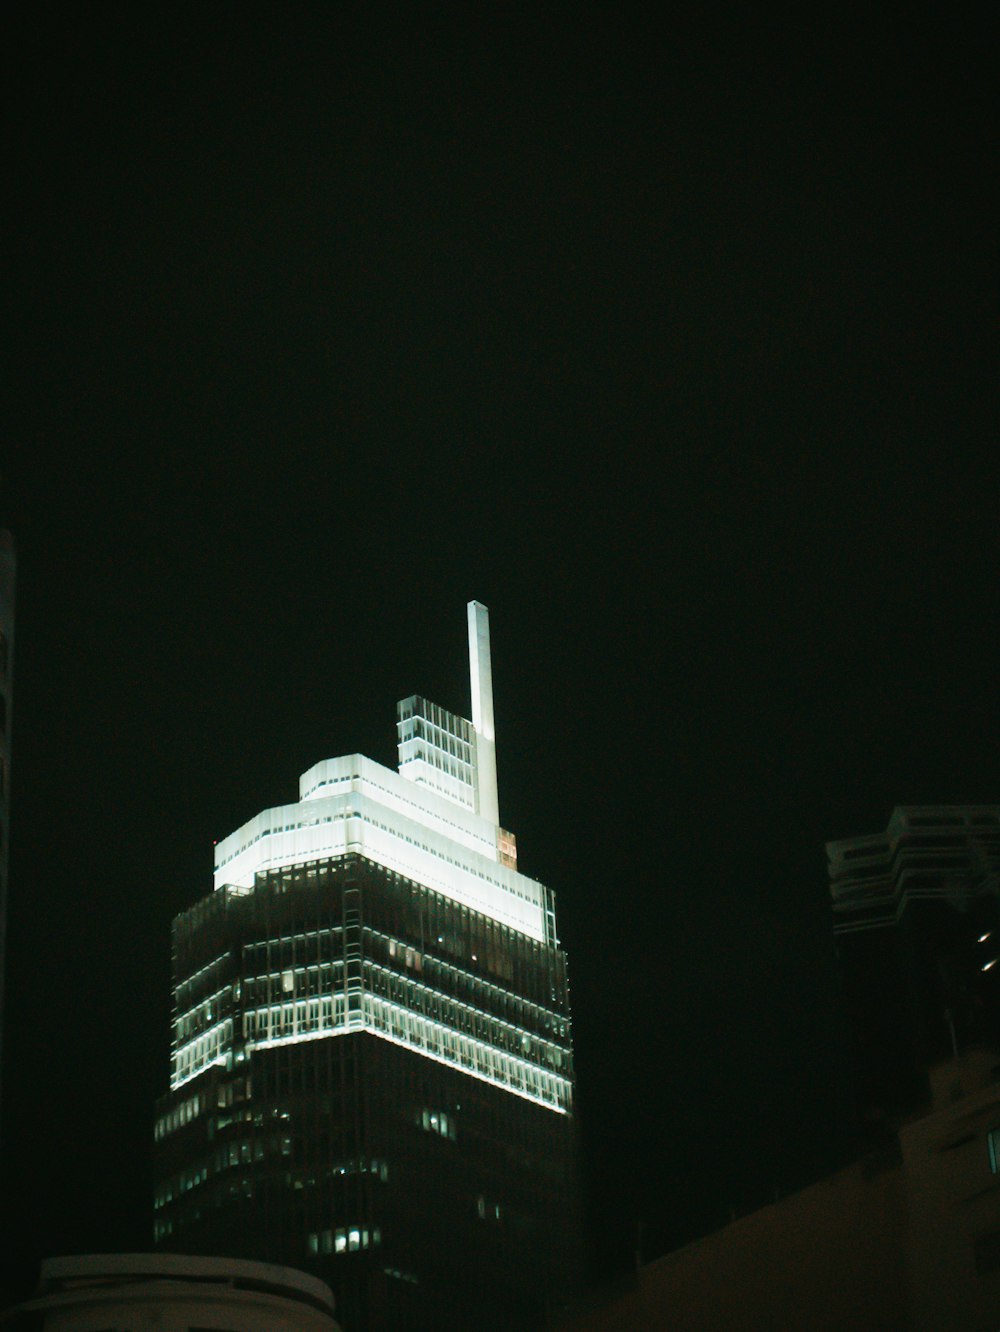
371	1059
917	924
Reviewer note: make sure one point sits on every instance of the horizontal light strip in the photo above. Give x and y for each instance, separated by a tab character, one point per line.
215	997
212	1063
472	976
417	1049
264	1014
545	1042
562	1084
189	980
206	1062
366	1020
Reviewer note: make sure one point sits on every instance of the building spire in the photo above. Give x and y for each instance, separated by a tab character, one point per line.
481	676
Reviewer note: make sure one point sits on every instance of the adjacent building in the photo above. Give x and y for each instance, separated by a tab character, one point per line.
168	1293
371	1059
907	1238
909	1235
916	914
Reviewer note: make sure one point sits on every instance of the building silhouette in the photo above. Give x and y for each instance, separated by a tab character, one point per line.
916	914
8	575
371	1060
908	1237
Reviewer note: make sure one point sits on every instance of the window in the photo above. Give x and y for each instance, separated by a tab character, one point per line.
993	1147
348	1239
436	1121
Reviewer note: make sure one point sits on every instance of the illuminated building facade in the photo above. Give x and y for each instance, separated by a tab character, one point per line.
371	1063
917	924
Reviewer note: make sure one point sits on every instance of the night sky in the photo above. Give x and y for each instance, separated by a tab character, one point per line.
675	347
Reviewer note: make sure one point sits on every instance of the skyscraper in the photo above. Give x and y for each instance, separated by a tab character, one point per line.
917	923
371	1061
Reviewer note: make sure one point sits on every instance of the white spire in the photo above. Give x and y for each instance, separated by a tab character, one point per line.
481	676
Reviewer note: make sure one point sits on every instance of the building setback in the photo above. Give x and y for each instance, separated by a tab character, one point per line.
371	1059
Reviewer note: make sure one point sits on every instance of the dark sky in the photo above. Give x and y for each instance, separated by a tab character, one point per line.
673	346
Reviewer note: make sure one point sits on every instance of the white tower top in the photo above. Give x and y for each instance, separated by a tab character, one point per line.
436	821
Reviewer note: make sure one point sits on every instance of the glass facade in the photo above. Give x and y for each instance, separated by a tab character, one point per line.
417	969
371	1080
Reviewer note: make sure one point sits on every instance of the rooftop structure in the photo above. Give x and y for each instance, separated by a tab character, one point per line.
948	853
915	912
